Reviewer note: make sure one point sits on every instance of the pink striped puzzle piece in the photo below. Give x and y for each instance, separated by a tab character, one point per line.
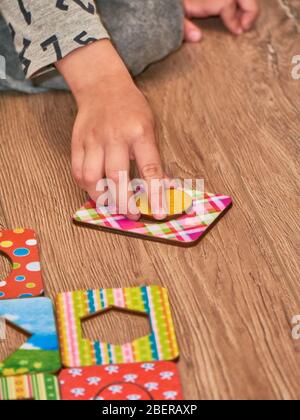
187	230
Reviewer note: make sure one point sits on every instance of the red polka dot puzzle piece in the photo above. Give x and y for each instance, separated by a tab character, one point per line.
21	247
134	381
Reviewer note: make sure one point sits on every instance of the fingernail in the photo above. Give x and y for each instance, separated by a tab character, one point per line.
195	36
159	214
133	217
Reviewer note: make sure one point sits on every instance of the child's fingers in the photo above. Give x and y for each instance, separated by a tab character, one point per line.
93	170
150	169
205	8
192	33
250	13
77	162
117	168
227	9
230	17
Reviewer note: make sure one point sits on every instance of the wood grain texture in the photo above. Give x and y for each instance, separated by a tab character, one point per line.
236	123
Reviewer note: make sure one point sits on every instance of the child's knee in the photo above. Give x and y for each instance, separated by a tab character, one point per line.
143	31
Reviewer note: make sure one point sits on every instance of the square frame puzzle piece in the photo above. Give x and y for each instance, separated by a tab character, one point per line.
25	280
186	230
153	301
40	387
40	353
134	381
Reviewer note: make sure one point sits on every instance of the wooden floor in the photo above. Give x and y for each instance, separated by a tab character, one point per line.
228	111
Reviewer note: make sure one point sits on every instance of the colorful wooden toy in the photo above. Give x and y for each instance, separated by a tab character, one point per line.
20	246
40	387
40	353
177	203
76	351
187	230
135	381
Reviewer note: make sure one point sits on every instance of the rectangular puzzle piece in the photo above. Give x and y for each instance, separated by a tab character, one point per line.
135	381
40	387
21	247
187	230
153	301
40	353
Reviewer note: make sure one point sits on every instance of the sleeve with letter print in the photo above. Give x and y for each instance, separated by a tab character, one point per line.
46	31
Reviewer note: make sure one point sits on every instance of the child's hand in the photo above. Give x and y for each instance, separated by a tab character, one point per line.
114	123
238	15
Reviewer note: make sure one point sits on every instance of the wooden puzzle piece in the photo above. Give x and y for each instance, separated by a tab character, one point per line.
177	201
40	387
153	301
187	230
20	246
40	353
134	381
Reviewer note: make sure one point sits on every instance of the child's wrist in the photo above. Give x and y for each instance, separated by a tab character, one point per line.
86	68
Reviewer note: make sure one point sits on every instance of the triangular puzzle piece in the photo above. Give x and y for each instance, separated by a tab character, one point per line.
187	230
40	353
134	381
21	247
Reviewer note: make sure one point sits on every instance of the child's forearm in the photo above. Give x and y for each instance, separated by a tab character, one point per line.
84	68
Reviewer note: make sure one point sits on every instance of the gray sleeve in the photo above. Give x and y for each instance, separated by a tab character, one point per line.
45	31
